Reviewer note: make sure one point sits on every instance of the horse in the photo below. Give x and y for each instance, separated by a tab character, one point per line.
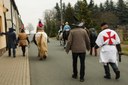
65	37
60	37
40	39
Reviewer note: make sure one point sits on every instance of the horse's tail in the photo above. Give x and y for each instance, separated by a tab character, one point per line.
43	43
40	39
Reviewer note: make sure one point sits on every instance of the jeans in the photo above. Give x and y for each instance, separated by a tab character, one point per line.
82	64
14	52
107	70
23	49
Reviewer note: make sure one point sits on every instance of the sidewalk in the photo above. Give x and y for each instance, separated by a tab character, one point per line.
14	71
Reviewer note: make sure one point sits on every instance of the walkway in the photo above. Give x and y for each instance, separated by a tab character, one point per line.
14	71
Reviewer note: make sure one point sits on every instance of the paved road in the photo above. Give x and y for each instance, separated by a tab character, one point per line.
57	68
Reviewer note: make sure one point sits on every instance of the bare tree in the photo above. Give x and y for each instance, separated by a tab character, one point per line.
30	27
50	22
108	17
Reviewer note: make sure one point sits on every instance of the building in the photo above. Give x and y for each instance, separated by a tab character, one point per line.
12	16
9	17
3	10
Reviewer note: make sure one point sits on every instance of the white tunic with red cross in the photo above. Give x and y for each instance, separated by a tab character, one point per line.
107	40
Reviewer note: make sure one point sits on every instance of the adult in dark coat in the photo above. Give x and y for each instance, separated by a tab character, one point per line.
11	41
93	37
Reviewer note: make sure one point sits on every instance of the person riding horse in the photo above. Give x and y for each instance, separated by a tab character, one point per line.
66	31
40	39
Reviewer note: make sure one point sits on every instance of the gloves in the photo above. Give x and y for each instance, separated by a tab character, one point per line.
96	46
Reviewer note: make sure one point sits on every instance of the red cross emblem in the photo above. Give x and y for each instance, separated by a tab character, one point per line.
109	37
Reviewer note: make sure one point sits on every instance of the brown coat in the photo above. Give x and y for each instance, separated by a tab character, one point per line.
23	39
78	41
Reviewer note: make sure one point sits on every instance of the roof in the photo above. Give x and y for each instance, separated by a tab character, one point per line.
15	7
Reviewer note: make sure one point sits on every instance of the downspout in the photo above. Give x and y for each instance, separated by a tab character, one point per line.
11	12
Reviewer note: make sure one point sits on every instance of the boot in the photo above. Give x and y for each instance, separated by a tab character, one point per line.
14	56
116	70
74	76
81	79
95	52
107	72
91	51
107	77
117	75
23	53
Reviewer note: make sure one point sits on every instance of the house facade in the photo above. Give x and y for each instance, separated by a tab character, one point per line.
9	17
3	10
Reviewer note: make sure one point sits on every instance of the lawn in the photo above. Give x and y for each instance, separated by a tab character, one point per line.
124	46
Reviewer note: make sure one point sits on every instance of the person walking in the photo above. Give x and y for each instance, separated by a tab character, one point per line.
23	41
93	37
78	42
11	41
107	40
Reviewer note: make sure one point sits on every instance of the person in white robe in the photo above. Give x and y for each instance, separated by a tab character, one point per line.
107	41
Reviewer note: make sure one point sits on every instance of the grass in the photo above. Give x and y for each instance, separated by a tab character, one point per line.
125	42
124	46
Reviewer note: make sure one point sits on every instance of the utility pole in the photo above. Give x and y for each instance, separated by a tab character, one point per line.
61	11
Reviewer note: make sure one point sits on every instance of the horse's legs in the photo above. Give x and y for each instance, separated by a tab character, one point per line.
45	55
60	42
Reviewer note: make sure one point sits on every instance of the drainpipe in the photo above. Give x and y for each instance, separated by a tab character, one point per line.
11	12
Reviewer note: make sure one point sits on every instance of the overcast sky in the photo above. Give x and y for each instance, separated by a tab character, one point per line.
32	10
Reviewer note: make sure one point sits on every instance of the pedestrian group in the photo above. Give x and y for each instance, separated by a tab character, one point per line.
77	39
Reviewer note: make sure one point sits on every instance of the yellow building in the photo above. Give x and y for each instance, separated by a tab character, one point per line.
3	10
9	17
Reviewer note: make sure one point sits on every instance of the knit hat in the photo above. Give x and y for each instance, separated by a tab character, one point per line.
40	25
